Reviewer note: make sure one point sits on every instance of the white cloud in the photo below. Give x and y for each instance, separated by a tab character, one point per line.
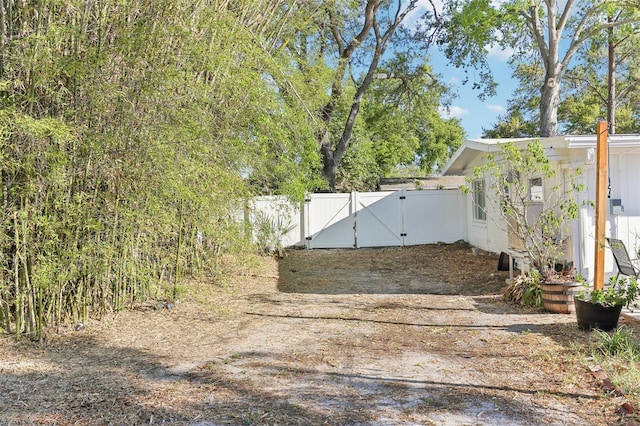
453	112
496	51
499	53
496	108
454	81
411	21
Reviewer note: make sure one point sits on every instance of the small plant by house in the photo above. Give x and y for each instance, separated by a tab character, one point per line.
525	290
533	204
514	177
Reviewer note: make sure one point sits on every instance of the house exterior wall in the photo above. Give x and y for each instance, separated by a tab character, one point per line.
568	154
492	234
625	170
489	234
624	175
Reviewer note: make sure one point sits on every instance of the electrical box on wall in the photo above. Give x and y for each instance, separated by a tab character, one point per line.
616	206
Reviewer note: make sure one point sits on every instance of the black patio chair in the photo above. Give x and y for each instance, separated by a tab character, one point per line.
624	263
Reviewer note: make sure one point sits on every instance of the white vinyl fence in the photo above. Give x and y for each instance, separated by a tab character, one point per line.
274	221
362	219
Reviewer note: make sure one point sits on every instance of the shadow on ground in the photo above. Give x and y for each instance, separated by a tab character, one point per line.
396	336
444	269
127	386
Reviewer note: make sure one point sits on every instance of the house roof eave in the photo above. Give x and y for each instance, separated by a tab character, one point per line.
471	148
614	141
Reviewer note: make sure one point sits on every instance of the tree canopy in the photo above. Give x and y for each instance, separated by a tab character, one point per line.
557	31
133	131
355	42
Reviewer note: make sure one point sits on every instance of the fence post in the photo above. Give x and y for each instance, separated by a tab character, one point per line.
601	194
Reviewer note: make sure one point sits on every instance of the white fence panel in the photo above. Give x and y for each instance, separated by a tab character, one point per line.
379	219
329	221
366	219
384	219
275	220
435	216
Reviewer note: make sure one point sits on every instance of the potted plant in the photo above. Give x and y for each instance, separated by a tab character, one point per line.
600	308
558	291
536	207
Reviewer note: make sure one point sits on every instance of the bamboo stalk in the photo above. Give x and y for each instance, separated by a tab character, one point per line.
16	277
175	278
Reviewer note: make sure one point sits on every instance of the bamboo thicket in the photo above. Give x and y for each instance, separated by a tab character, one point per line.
125	127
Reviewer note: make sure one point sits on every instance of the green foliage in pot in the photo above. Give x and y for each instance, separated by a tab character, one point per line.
621	291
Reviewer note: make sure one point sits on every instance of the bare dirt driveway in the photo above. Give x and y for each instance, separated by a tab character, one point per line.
394	336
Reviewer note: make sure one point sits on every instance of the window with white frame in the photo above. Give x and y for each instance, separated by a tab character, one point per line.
535	190
479	212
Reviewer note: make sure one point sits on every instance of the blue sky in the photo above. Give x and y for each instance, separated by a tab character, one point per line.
473	113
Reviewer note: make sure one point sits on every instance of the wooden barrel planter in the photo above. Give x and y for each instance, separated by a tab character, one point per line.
590	315
558	298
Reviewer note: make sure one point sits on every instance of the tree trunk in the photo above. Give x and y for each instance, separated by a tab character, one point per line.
329	168
549	101
332	158
611	95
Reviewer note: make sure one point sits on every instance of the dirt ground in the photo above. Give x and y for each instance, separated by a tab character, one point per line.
411	336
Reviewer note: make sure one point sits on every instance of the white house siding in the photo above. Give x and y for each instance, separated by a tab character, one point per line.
629	182
483	234
624	175
489	234
568	154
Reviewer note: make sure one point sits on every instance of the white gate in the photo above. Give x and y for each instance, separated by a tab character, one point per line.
378	219
384	219
329	221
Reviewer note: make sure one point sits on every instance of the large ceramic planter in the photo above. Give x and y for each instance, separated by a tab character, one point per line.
558	298
590	315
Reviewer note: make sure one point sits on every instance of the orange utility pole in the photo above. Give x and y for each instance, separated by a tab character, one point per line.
601	207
